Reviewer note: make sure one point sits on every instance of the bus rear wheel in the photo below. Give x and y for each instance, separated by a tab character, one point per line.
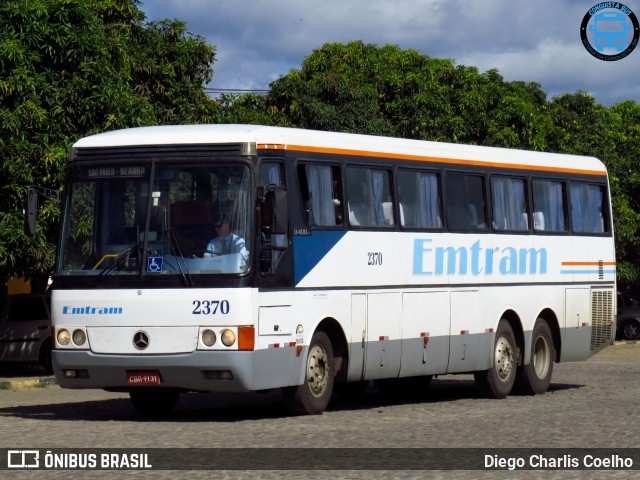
154	403
312	397
497	381
535	378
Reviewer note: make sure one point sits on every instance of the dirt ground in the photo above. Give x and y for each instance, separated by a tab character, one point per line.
619	352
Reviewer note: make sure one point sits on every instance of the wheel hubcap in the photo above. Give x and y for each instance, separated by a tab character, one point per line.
503	358
631	331
541	357
317	370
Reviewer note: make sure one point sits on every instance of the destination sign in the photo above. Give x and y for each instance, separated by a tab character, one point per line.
111	172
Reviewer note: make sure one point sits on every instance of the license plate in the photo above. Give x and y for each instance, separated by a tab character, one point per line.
143	378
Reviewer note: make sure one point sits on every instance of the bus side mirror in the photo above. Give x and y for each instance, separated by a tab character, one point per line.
274	225
31	208
31	212
280	209
275	209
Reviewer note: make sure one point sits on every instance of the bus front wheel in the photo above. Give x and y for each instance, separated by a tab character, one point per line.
312	397
535	377
497	381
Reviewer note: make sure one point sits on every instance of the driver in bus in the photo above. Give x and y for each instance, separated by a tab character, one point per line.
225	242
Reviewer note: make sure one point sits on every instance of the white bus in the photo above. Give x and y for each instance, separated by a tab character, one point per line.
351	258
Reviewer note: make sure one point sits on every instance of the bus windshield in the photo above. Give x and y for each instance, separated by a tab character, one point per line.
156	220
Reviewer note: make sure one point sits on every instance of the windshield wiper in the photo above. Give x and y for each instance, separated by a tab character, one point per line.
117	264
180	261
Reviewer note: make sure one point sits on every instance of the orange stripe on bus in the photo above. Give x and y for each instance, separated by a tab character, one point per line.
584	264
421	158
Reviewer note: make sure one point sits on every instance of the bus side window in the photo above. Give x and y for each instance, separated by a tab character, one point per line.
465	202
548	206
271	173
587	208
508	202
370	203
321	192
419	199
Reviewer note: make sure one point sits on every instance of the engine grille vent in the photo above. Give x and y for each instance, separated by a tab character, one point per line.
601	318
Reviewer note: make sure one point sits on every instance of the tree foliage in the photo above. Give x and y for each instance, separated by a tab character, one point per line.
388	91
250	109
75	67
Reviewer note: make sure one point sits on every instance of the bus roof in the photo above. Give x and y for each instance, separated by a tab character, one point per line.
282	138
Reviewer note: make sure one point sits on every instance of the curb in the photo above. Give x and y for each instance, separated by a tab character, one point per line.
17	383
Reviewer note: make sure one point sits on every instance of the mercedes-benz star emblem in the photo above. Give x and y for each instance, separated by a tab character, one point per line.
141	340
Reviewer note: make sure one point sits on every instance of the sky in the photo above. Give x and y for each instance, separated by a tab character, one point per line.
257	41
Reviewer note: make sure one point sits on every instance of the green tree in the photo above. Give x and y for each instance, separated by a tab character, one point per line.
388	91
249	109
75	67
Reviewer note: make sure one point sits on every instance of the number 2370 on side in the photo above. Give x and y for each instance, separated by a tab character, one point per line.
211	307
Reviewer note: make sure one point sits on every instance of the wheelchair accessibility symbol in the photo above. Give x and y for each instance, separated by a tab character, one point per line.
154	264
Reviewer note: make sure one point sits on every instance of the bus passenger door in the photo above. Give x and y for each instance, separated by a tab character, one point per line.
383	344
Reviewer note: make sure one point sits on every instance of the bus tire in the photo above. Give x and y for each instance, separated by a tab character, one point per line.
498	381
154	403
312	397
535	377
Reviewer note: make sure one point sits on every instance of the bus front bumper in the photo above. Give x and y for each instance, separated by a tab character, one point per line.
196	371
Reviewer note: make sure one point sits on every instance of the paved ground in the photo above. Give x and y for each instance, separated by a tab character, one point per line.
593	404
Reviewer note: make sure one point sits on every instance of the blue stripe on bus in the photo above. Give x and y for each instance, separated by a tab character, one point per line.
309	250
586	272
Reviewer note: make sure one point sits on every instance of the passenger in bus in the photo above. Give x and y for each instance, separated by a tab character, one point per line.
225	242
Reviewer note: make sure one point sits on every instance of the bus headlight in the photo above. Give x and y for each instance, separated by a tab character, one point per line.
79	337
209	338
63	337
228	337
